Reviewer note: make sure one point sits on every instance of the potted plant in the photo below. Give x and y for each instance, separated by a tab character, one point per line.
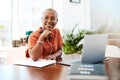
71	41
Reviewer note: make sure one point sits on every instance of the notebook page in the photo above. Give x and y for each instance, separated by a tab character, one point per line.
38	63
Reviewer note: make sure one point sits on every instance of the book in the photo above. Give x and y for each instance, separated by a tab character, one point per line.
39	63
80	71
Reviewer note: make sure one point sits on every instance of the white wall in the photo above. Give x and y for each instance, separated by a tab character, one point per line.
69	13
57	5
105	13
73	13
89	14
27	16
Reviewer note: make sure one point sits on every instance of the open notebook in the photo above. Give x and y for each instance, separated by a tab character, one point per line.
39	63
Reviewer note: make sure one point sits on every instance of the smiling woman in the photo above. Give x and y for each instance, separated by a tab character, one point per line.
46	42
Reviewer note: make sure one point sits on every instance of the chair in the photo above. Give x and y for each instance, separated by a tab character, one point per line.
114	39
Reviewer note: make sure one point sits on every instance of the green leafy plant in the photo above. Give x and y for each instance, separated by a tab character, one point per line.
71	41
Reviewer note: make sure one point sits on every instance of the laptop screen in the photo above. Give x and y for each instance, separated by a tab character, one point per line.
94	48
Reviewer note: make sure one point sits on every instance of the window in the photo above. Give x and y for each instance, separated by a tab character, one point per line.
27	17
19	16
5	22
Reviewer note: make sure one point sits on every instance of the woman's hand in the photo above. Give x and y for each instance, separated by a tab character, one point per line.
46	33
50	57
55	55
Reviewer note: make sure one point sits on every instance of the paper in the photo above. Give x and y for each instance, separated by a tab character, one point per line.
38	63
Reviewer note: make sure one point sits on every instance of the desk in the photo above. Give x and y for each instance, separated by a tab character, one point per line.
52	72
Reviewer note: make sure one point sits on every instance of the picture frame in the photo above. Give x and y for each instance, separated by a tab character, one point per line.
75	1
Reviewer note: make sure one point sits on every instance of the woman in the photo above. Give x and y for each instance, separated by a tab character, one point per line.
46	42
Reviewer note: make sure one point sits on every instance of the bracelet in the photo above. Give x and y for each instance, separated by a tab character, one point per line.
40	42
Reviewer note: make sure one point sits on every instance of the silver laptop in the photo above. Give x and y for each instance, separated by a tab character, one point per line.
94	48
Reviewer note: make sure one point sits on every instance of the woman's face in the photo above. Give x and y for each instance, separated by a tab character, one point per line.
49	19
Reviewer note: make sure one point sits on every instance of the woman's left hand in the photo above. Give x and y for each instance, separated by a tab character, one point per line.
50	57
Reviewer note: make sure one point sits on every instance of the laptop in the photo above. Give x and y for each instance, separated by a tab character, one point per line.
94	48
